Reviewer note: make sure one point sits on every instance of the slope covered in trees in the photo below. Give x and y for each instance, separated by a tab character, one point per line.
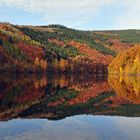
58	48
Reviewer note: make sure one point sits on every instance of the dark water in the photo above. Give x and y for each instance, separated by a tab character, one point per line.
72	107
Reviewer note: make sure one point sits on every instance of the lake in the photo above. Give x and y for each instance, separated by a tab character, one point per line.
72	107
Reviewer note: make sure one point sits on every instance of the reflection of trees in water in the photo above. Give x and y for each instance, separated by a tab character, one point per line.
16	85
42	110
127	87
58	96
70	81
20	92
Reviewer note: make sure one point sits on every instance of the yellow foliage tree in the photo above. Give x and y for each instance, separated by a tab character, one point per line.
36	62
137	64
127	62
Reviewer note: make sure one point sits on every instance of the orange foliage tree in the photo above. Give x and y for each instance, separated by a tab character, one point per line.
41	63
63	64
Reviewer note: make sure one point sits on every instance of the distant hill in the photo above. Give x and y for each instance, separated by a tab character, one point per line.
58	48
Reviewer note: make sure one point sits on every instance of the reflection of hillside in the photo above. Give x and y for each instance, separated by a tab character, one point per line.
59	96
127	87
16	94
19	92
92	91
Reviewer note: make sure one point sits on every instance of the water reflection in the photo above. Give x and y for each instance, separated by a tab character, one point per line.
72	128
127	87
58	96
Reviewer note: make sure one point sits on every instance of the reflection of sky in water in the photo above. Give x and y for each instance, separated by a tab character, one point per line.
72	128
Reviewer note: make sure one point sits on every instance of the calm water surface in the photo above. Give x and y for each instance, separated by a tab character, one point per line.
72	107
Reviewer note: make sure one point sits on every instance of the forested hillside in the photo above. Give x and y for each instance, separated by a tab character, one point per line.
60	49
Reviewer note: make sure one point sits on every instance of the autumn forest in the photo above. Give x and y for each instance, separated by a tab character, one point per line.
56	48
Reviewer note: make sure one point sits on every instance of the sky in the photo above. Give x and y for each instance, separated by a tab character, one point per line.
78	14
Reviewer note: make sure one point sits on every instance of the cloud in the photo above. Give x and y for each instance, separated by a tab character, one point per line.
81	13
57	5
130	16
67	12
